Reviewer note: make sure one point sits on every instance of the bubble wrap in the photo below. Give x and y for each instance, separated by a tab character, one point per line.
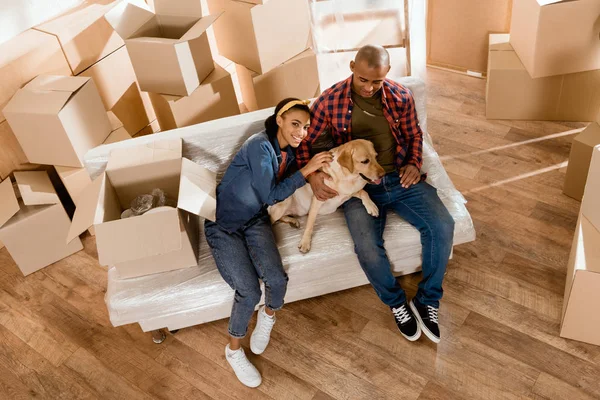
196	295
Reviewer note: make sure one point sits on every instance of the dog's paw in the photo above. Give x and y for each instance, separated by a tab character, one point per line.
304	246
372	209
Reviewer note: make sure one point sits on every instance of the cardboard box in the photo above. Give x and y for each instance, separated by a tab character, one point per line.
457	31
186	257
215	98
261	37
580	319
26	56
347	26
512	94
34	228
12	157
556	37
579	161
169	50
57	119
298	77
84	34
590	205
116	82
138	170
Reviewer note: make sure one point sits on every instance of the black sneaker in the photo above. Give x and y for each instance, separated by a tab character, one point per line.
407	324
428	319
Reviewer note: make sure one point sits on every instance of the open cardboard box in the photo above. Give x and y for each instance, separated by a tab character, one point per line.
169	50
34	227
57	119
129	173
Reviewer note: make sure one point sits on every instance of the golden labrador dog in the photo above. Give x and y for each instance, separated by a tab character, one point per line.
354	165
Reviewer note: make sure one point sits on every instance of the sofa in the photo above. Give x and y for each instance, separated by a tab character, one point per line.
196	295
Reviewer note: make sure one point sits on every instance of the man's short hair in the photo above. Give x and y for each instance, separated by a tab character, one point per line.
375	56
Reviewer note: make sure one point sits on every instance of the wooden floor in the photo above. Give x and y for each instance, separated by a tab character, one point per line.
499	317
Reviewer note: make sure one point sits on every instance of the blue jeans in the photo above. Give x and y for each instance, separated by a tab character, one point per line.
243	258
422	208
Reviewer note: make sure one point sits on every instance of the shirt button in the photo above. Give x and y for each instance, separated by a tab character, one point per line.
349	111
396	120
344	129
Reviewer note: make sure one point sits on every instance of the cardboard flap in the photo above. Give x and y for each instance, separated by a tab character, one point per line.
85	213
500	42
128	16
588	248
36	188
57	83
159	150
9	205
185	8
197	190
200	27
543	3
43	102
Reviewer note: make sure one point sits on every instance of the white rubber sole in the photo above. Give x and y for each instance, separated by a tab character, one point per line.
255	350
424	328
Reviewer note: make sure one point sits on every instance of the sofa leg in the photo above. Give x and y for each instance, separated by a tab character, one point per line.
158	336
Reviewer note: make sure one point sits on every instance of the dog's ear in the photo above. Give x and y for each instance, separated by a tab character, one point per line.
345	160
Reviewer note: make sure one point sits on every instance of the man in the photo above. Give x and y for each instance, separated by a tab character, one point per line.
369	106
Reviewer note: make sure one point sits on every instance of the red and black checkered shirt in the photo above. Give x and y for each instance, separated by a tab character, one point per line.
333	111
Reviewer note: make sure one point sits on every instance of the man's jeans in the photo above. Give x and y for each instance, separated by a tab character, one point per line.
242	258
420	206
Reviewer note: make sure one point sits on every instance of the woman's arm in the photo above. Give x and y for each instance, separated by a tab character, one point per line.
263	177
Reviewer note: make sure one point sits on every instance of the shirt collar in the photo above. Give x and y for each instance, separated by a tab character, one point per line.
347	93
289	151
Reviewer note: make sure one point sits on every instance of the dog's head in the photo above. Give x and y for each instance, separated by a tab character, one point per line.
359	157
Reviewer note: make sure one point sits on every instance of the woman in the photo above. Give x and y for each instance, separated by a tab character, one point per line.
242	240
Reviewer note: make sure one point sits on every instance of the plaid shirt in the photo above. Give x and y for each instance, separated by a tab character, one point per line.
333	111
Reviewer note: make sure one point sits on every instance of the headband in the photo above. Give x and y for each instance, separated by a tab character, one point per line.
291	104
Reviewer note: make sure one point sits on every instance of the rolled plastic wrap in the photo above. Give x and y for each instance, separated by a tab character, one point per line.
195	295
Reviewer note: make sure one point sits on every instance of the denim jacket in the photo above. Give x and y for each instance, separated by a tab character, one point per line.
250	182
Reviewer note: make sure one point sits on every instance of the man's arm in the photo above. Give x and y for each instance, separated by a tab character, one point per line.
318	123
409	127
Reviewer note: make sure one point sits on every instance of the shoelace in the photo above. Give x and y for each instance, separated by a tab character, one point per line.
401	314
266	327
240	360
433	314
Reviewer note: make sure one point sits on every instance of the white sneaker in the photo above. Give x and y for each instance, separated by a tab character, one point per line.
262	333
245	371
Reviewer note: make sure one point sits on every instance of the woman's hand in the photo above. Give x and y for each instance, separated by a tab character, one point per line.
316	163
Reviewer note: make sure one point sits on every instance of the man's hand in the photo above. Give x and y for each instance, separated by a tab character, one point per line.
409	175
321	191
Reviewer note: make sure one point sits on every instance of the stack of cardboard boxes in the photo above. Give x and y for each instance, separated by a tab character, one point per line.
548	68
172	61
270	43
580	318
56	120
